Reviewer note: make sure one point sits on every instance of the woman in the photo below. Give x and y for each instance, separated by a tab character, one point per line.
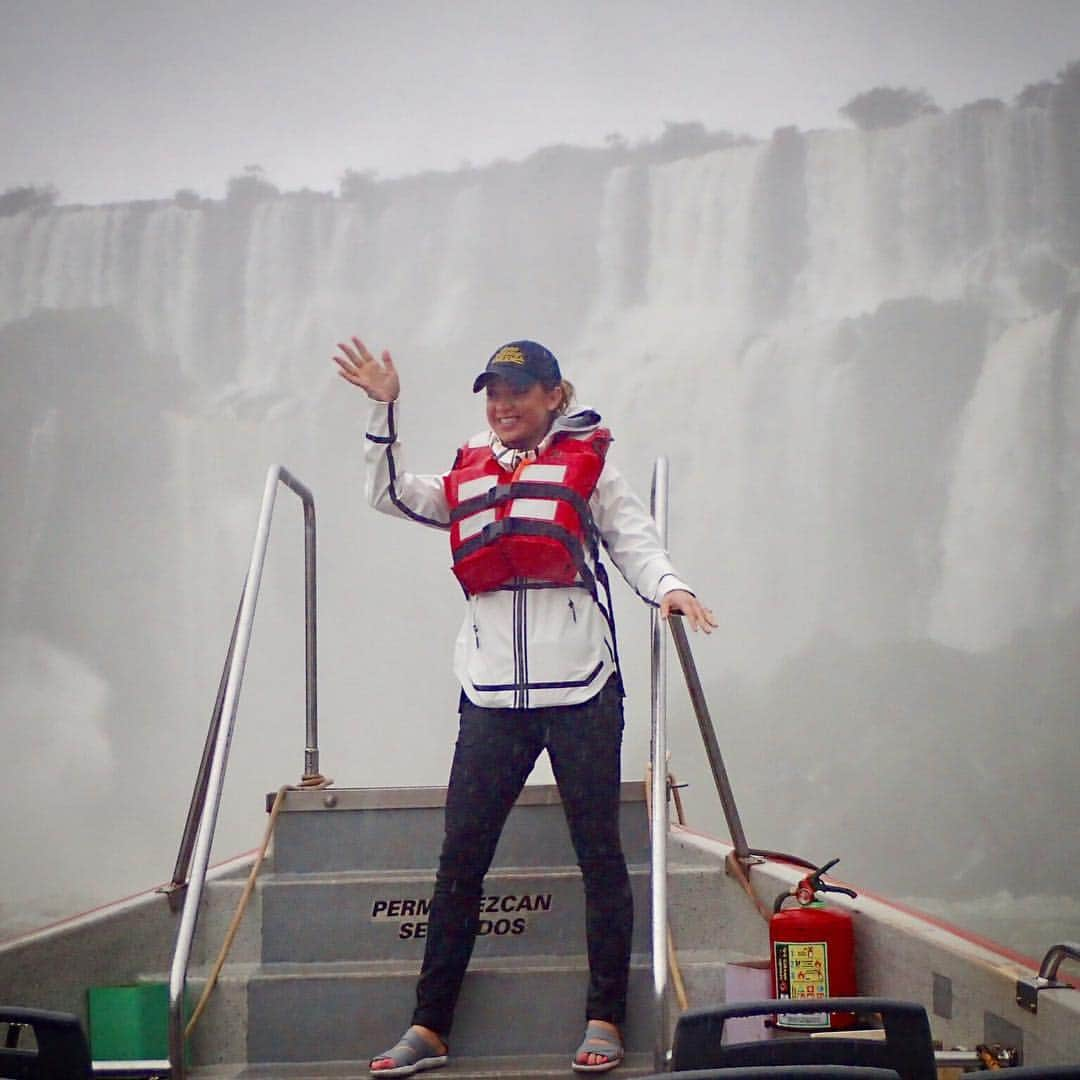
527	504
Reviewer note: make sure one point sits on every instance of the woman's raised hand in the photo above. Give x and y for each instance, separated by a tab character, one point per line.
377	378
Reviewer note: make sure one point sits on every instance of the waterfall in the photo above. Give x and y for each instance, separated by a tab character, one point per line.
859	349
1011	537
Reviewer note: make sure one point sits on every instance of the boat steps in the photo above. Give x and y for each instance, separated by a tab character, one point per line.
322	972
518	1067
326	975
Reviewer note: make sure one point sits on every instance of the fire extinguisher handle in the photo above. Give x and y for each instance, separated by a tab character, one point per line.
822	887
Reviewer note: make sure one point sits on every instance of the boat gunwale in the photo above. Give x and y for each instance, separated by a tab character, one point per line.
970	937
221	871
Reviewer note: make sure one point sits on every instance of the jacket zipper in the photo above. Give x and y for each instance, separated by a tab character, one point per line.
521	658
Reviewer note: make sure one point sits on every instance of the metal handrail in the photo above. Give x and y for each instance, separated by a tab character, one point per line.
658	762
708	737
178	883
205	809
658	504
1027	989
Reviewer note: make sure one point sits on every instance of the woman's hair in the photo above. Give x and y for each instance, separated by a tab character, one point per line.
567	388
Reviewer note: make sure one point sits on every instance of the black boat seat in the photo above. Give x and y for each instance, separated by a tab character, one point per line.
784	1072
1045	1072
61	1054
907	1047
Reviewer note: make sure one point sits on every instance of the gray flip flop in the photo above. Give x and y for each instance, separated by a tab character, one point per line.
412	1053
599	1040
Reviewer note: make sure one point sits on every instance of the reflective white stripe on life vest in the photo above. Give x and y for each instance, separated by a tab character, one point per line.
537	509
543	474
472	524
534	509
469	489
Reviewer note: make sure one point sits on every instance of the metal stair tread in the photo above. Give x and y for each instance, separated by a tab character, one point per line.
719	955
232	971
244	971
425	874
529	1067
523	964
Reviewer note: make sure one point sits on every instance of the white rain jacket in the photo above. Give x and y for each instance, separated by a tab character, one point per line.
532	647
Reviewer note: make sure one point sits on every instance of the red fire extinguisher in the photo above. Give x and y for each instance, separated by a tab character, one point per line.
813	952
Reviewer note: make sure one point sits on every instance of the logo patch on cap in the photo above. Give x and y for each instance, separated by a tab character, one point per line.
509	354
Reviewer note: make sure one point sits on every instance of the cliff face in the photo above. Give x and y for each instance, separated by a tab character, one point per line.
859	349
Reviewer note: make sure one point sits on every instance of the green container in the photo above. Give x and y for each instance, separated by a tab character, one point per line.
129	1023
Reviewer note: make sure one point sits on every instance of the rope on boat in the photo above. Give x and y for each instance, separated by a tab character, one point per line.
735	867
314	780
732	864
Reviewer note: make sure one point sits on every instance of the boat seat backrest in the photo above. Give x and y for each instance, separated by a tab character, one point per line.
785	1072
62	1053
1045	1072
907	1047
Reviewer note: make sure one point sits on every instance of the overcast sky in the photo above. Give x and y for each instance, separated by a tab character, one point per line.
121	99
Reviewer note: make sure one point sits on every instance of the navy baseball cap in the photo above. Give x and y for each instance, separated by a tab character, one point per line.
521	363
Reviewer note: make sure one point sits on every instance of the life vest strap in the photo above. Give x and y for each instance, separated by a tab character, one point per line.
523	489
524	527
530	585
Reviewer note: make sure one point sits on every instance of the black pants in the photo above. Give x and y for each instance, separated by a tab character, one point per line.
495	753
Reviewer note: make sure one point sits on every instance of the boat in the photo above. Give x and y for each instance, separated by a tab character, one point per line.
323	939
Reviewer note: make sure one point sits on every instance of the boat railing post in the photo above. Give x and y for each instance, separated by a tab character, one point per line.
311	745
658	762
205	819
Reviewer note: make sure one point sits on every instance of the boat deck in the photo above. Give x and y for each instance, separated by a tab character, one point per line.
322	973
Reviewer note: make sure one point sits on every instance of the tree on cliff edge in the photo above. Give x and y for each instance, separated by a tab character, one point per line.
887	106
17	199
250	188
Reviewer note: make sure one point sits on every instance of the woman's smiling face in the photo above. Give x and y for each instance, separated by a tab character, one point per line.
521	417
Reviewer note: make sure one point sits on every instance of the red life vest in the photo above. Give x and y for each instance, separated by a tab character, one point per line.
532	522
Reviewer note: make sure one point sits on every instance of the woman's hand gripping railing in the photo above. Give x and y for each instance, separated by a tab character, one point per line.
202	817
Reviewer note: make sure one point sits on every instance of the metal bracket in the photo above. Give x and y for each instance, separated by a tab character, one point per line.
174	893
753	860
1027	990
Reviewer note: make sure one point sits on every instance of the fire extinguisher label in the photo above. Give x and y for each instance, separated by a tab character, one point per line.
802	973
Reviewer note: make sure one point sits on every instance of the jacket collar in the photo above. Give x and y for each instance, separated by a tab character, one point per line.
582	421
